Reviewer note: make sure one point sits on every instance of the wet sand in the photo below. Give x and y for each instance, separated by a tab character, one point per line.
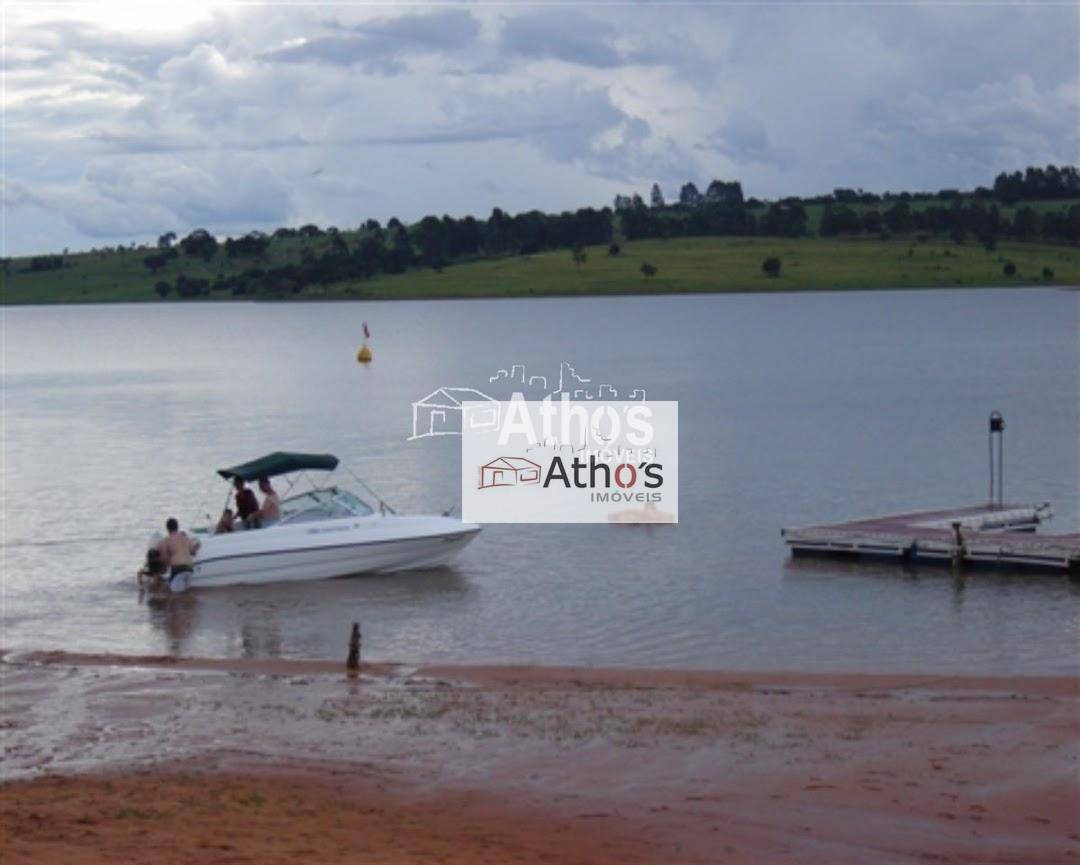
112	759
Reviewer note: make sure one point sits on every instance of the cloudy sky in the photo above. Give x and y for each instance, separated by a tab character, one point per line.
123	122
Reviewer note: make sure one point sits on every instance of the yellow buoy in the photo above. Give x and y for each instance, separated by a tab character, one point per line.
364	355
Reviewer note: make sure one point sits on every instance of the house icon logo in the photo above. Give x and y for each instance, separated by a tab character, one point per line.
509	472
441	412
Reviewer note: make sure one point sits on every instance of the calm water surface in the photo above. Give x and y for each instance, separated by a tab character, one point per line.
793	409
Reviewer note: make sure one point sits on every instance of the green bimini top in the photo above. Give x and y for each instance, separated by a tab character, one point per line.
280	463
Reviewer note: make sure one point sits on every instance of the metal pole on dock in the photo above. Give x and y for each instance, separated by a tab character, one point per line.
997	477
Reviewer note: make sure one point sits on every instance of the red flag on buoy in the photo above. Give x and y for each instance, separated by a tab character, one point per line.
367	333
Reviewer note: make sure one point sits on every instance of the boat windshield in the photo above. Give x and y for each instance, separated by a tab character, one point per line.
328	504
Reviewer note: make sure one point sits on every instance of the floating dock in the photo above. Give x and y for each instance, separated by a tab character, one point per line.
993	534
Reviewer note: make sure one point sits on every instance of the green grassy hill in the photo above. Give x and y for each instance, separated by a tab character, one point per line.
119	274
706	264
711	264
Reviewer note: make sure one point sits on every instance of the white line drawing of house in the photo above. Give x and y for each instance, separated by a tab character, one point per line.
509	472
440	413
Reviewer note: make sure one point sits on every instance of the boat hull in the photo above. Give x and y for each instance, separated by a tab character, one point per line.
327	553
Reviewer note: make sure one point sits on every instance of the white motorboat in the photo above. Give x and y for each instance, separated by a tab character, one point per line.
324	532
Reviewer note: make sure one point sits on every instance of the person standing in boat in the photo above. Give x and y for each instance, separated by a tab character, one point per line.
270	511
247	506
177	549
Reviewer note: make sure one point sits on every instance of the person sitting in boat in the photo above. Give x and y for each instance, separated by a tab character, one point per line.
177	549
247	506
225	524
270	511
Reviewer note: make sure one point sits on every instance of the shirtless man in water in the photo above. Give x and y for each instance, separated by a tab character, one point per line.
177	549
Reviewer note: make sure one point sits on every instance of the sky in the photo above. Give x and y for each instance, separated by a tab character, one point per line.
123	121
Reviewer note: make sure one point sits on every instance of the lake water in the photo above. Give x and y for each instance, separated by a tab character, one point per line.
794	408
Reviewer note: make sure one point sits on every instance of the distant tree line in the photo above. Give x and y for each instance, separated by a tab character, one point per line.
721	210
960	221
1038	183
37	264
433	242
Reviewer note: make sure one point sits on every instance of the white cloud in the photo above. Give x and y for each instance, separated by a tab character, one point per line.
123	125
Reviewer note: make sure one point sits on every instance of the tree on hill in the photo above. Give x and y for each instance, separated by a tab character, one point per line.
1026	224
656	197
154	263
724	193
188	287
200	243
784	220
431	241
497	233
166	240
839	220
337	243
252	245
689	195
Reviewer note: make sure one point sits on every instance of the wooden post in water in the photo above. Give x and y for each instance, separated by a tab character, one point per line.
958	547
352	664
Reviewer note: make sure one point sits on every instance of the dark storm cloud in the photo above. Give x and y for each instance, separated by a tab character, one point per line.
561	35
378	45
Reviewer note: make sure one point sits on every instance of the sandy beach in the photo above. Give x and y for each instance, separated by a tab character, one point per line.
145	759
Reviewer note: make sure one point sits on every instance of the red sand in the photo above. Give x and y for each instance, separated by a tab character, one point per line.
168	818
518	764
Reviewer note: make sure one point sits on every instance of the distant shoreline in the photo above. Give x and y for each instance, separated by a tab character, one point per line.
556	295
536	674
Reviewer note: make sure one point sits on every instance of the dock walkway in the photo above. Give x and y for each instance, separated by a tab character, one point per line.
1002	535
